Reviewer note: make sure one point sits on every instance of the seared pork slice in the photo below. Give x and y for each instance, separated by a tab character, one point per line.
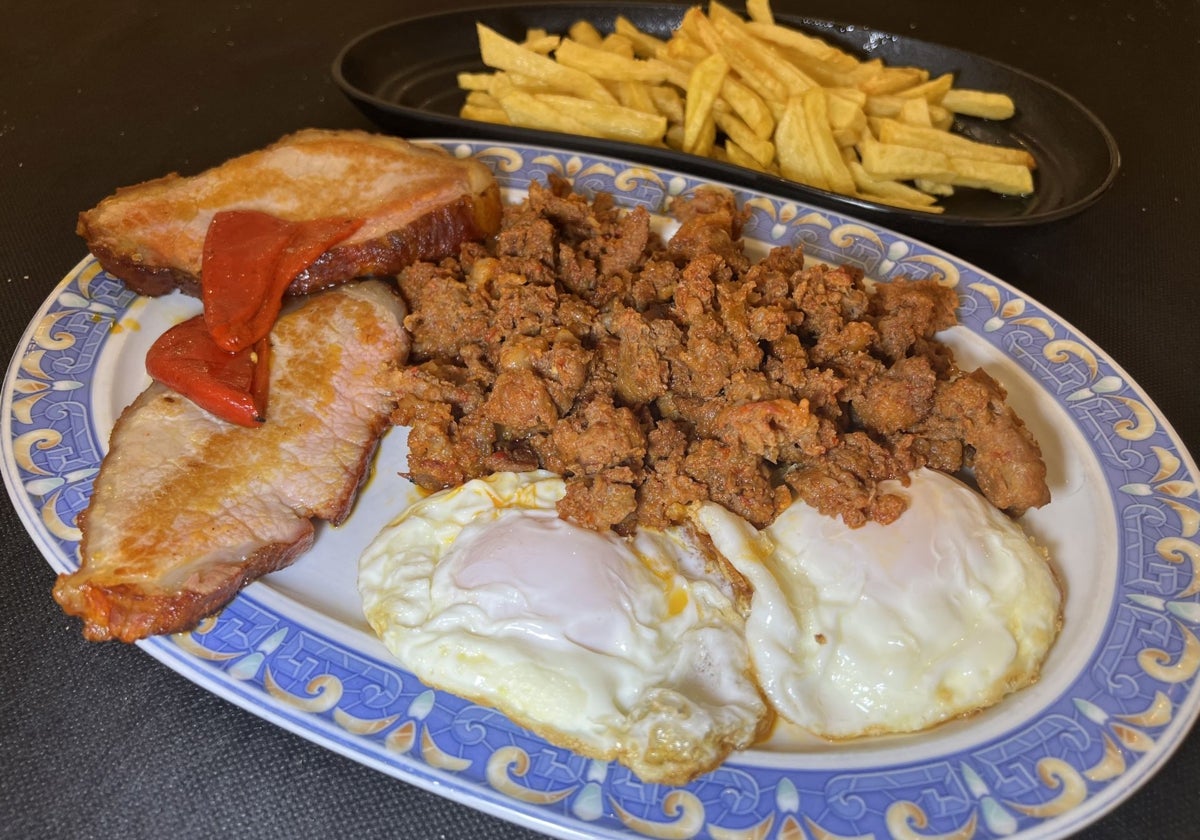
417	204
187	508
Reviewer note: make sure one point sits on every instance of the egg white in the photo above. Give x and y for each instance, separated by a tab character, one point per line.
889	629
617	649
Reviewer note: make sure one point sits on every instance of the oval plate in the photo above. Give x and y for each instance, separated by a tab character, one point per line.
1116	696
403	77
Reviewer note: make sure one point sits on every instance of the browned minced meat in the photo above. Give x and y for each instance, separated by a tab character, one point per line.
655	374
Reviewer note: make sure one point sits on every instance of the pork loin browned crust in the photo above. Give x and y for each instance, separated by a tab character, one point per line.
418	204
187	508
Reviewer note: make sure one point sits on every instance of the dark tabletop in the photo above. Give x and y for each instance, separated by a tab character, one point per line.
100	740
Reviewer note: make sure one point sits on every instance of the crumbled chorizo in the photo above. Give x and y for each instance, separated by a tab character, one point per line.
655	374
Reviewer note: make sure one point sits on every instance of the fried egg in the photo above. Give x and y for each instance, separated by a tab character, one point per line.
889	629
629	650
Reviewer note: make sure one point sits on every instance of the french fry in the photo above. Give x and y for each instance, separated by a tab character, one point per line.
932	90
757	94
915	111
526	109
667	102
885	188
585	32
733	33
814	48
704	85
942	119
926	137
794	146
674	136
824	146
542	45
474	81
891	80
619	45
759	11
609	66
933	187
888	161
1003	178
844	113
684	48
721	14
739	156
978	103
496	116
736	129
749	106
613	122
636	95
505	54
482	99
645	45
503	83
748	63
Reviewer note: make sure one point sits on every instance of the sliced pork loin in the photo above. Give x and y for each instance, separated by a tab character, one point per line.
187	509
417	204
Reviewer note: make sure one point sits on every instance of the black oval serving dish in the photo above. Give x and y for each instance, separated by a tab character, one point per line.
403	77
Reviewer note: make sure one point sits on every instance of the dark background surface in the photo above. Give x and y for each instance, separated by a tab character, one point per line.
102	741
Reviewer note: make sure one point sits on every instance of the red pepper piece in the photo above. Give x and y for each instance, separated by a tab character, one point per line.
250	258
233	386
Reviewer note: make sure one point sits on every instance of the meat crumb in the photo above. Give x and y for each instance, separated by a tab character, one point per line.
655	374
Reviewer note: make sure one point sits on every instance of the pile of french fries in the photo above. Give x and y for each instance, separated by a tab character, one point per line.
756	94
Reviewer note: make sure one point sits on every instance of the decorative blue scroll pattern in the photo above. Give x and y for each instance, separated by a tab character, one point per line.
1131	701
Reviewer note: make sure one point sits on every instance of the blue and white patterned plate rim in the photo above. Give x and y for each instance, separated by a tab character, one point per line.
1116	716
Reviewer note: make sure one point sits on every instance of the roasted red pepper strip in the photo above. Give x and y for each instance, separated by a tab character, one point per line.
250	258
220	360
230	385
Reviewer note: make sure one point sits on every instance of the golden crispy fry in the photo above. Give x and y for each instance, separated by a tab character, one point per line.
932	90
602	64
482	99
888	161
645	45
721	14
759	11
933	187
497	116
526	109
893	131
614	122
683	48
978	103
584	32
915	111
844	114
474	81
825	147
636	95
504	54
794	146
733	33
885	188
542	45
757	94
742	135
1004	178
618	45
815	49
503	83
892	80
704	85
739	156
668	102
